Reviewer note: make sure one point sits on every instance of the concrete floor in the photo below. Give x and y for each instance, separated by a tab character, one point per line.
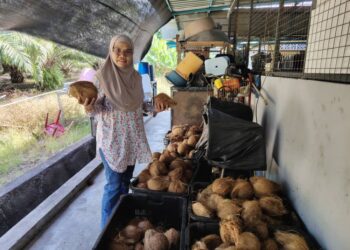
77	227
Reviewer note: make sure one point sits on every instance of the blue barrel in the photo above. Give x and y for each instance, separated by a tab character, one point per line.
143	68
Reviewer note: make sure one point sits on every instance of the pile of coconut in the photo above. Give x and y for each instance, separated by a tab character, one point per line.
141	234
246	209
183	139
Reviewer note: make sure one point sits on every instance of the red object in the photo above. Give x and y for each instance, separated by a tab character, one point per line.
54	129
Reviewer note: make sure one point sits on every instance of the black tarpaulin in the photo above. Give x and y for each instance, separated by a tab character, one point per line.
86	25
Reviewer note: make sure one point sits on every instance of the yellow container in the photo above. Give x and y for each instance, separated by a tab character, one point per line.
218	83
189	65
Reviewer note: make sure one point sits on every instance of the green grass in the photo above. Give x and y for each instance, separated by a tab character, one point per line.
21	150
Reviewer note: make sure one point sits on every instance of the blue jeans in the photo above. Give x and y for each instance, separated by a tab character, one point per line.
116	185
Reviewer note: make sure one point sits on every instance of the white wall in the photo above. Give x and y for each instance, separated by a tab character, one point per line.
308	150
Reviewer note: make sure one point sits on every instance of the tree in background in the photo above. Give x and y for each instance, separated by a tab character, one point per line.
162	58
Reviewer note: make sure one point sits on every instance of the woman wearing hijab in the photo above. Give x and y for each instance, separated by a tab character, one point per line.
120	135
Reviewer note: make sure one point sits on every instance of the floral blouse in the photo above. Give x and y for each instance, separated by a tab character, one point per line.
120	135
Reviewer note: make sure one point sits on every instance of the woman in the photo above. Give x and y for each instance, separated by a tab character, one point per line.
120	135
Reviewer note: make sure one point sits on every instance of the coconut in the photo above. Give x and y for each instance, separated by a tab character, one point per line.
187	176
199	245
144	225
230	230
247	241
141	185
188	164
173	237
213	201
226	246
156	155
158	183
192	140
177	187
183	149
158	168
264	187
227	209
212	241
177	163
272	206
260	229
200	210
178	131
144	176
222	186
291	241
242	189
176	138
131	234
272	221
176	174
203	195
191	154
166	157
139	246
172	147
251	213
269	244
155	241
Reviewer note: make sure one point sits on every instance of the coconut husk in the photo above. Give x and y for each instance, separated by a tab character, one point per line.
177	186
212	241
264	187
188	164
158	183
222	186
191	154
144	176
202	196
199	245
183	149
131	234
272	206
242	189
173	237
230	230
177	163
192	140
251	213
187	176
83	90
158	168
175	138
154	240
172	147
226	246
272	221
291	241
248	240
176	174
139	246
156	155
200	210
141	185
260	229
144	225
213	201
166	157
269	244
227	209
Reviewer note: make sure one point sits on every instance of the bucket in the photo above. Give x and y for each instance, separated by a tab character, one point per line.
143	68
176	79
189	65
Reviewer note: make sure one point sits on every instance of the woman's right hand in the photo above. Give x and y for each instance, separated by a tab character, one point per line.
89	105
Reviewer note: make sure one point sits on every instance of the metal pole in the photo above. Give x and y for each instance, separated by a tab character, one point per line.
246	58
235	32
277	39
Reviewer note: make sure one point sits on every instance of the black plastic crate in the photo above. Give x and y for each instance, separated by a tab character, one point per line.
166	211
202	172
145	191
196	231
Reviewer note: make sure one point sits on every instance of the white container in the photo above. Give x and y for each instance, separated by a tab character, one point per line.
217	66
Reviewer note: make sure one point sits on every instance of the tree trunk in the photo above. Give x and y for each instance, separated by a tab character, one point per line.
16	75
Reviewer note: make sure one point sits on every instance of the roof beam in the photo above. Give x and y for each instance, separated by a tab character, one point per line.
200	10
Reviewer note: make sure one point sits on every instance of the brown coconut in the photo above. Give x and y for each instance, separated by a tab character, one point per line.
264	187
269	244
212	241
177	187
230	230
173	237
213	201
291	241
226	246
248	241
199	245
158	183
187	176
156	155
176	138
242	189
166	157
227	209
177	163
144	176
176	174
141	185
222	186
188	164
178	131
251	213
200	210
260	229
144	225
272	206
203	195
154	240
139	246
191	154
192	140
272	221
158	168
131	234
183	149
172	147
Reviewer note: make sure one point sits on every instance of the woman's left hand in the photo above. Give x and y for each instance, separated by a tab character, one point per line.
160	106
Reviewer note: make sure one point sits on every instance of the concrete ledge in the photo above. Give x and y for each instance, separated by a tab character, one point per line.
21	234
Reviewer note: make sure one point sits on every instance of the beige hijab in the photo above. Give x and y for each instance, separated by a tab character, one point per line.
122	87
